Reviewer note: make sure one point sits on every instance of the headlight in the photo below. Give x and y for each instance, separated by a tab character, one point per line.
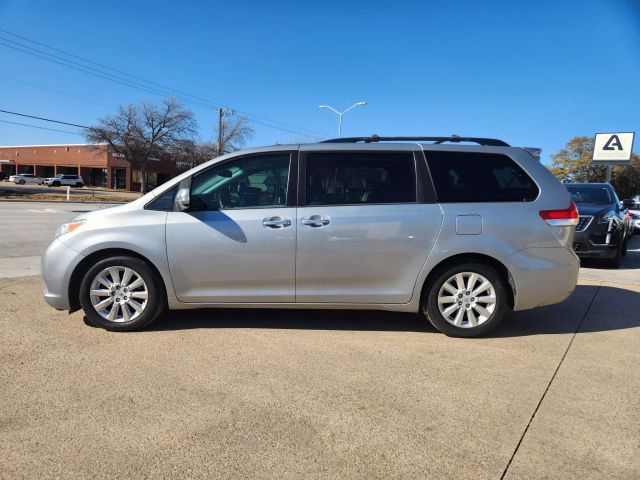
69	227
607	218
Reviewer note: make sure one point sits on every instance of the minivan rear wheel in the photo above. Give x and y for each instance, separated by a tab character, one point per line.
466	300
122	294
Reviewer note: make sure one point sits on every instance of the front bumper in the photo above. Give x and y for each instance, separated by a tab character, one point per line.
58	263
598	240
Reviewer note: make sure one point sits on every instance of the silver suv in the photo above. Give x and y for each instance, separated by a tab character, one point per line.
459	233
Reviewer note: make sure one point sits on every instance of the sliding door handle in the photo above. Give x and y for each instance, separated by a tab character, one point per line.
276	222
316	221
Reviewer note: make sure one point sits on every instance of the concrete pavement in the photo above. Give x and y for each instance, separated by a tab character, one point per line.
321	394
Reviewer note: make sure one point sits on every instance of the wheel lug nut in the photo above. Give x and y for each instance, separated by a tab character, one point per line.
467	305
459	303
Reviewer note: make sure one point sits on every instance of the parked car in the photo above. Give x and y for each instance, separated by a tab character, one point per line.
633	212
459	233
22	178
65	181
604	227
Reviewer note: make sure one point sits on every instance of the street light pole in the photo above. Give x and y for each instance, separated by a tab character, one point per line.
341	114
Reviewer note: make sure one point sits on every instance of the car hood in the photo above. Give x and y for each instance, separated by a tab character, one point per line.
113	210
595	210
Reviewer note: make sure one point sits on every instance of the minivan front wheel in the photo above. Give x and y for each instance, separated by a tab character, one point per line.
466	300
122	294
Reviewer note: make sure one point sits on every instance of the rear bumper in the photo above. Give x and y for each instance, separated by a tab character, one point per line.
543	276
58	263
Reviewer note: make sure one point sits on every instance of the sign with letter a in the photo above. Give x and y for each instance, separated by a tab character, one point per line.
613	148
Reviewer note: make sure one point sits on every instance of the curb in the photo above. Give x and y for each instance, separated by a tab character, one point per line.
64	202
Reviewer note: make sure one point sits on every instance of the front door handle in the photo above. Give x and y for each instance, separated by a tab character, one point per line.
316	221
276	222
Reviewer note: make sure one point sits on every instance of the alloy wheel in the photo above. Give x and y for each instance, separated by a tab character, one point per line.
467	300
119	294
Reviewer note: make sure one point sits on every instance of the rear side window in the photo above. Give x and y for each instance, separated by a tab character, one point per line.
345	178
479	177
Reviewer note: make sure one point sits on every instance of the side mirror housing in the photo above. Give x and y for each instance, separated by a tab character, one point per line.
183	199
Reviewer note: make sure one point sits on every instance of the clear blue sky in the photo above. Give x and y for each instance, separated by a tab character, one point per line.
531	73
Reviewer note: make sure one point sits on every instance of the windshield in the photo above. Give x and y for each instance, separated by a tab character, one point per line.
591	194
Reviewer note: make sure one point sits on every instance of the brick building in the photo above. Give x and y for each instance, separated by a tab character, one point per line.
98	165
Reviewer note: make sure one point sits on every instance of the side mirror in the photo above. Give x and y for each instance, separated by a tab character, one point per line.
183	199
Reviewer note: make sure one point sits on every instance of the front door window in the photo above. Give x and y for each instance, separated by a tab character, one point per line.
252	182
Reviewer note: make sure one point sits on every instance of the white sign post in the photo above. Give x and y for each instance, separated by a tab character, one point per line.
613	149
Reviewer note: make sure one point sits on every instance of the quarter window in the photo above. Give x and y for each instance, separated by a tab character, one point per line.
250	182
360	178
479	177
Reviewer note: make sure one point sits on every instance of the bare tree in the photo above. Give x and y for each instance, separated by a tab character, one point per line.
146	130
189	154
231	133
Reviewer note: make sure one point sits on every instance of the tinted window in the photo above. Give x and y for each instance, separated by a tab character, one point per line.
250	182
164	202
591	194
479	177
357	178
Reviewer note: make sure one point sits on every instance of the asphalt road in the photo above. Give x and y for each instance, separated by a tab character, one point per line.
322	394
26	228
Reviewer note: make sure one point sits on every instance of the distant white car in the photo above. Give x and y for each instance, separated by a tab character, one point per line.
23	178
635	220
64	180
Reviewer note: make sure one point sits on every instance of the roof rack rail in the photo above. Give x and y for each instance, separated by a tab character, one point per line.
493	142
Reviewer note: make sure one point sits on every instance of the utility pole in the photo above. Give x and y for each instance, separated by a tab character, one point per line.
222	111
219	131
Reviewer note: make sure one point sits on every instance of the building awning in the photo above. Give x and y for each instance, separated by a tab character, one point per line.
7	161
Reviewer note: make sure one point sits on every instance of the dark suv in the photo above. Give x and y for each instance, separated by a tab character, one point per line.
603	229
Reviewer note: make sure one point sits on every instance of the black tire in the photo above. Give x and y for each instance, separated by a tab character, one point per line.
55	184
615	261
430	300
79	185
21	182
156	301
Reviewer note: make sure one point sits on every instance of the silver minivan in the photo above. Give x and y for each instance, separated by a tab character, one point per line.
459	233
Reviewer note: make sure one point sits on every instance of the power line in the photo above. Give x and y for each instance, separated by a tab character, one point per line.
41	128
200	101
43	119
48	89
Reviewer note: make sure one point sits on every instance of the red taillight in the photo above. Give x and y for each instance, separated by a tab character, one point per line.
561	218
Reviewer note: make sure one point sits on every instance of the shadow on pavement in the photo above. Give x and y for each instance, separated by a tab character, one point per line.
554	319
